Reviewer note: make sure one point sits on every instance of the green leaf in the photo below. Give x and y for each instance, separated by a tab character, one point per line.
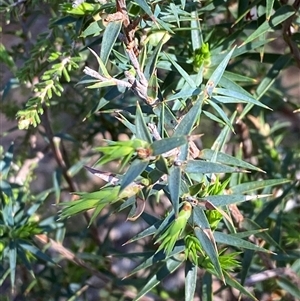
110	36
162	146
152	60
289	287
12	255
187	122
5	163
92	30
174	182
238	97
208	244
254	186
134	170
221	113
199	166
280	15
272	74
190	280
141	129
170	266
196	33
224	200
184	94
156	257
233	283
217	74
223	158
147	232
181	71
230	239
35	251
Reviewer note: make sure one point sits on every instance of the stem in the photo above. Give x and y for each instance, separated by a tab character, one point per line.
61	161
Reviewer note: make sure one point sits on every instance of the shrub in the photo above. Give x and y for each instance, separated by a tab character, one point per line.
171	103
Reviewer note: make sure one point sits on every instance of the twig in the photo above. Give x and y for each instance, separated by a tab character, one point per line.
286	29
70	256
61	163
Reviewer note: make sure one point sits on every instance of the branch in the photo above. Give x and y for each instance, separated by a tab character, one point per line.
54	145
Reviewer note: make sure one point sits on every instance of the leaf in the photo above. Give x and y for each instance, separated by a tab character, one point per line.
223	158
137	210
142	131
224	200
101	63
235	95
35	251
196	33
199	166
221	113
190	280
174	182
110	36
12	256
230	239
187	122
289	287
181	71
272	74
152	60
171	265
184	94
92	30
134	170
5	163
254	186
280	15
208	244
163	146
233	283
217	74
156	257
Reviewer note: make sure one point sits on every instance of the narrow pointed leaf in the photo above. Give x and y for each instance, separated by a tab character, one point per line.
221	113
210	249
12	255
5	163
147	232
135	169
174	182
233	283
190	280
199	166
223	158
110	36
229	239
196	33
181	71
142	131
157	257
102	67
186	124
152	61
224	200
35	251
281	14
217	74
171	265
254	186
184	94
238	97
163	146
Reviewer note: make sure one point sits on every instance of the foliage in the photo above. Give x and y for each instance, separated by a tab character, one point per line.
204	169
